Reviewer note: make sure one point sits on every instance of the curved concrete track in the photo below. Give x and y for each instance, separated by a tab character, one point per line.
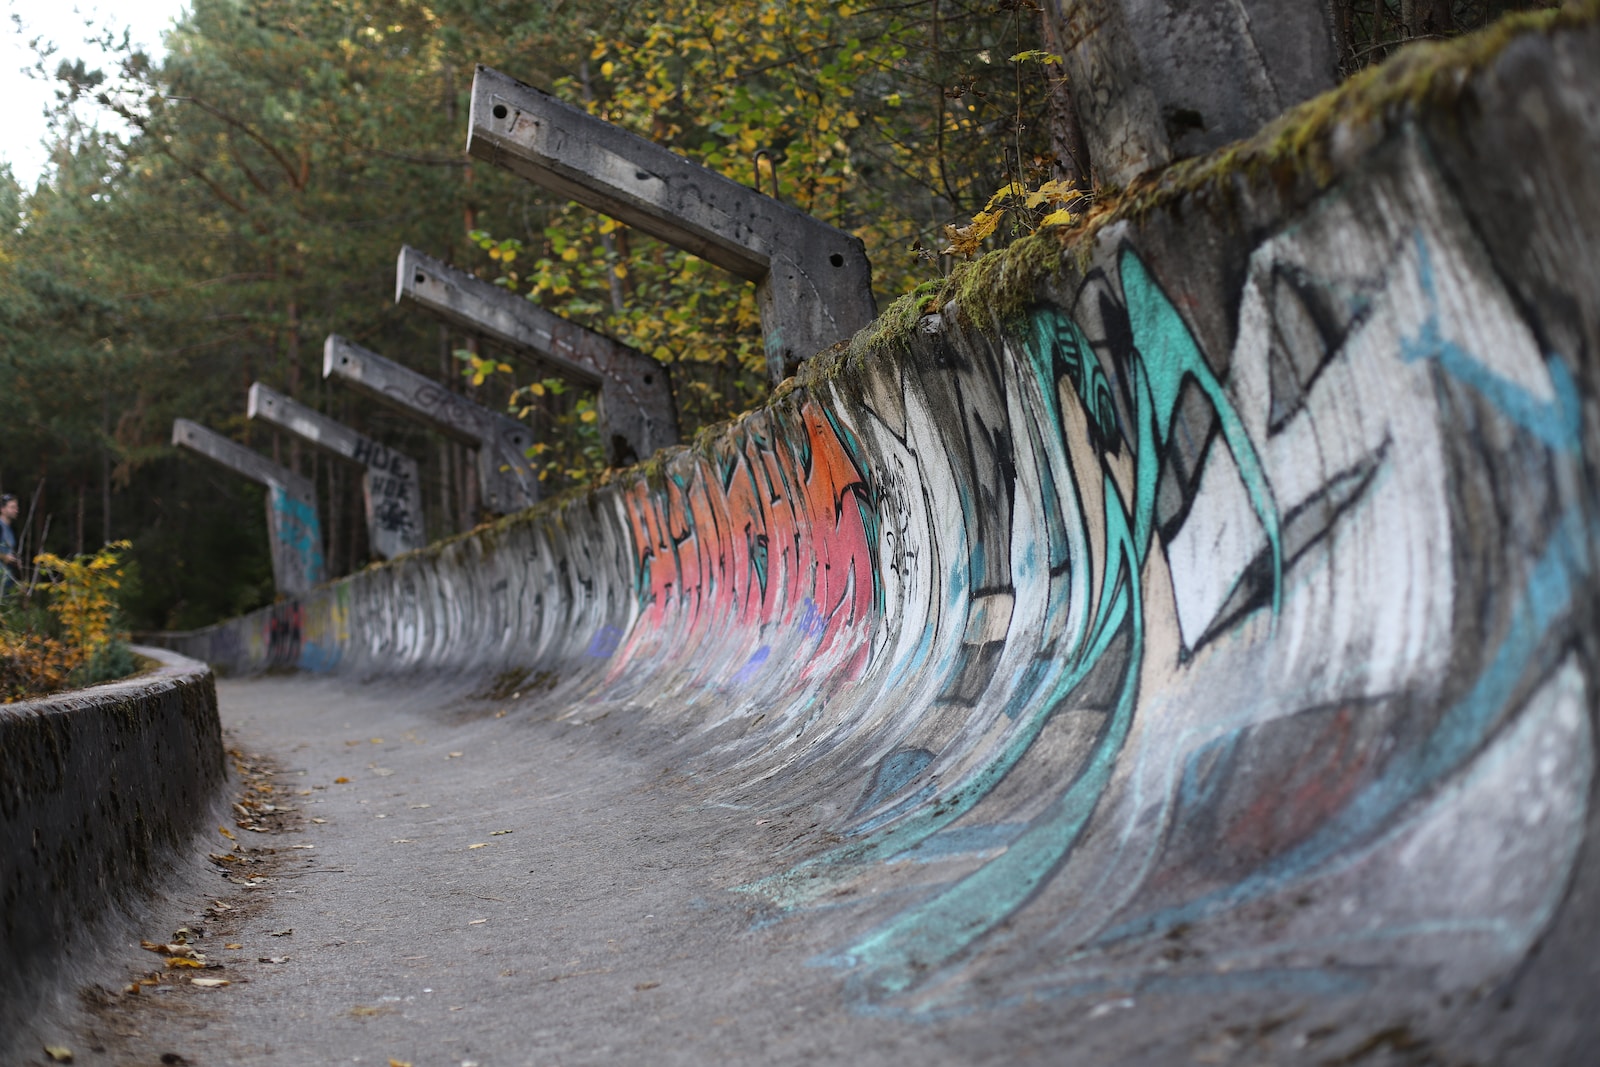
1195	666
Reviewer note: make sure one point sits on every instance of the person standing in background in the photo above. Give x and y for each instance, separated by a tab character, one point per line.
10	566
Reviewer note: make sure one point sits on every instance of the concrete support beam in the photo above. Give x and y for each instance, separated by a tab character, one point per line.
507	482
1159	80
294	531
391	490
814	284
637	413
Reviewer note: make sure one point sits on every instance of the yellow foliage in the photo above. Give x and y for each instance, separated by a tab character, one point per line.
1053	203
34	664
81	596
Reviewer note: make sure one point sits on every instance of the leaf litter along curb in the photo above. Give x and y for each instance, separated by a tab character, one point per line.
121	1020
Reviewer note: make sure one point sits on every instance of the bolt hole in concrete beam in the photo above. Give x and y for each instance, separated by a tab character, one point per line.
805	306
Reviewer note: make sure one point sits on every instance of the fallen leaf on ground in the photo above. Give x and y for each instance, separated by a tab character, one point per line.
377	740
477	922
174	949
363	1011
233	944
382	772
642	986
499	833
480	844
225	832
453	755
208	983
176	962
399	1063
58	1053
273	959
341	780
282	933
292	847
317	820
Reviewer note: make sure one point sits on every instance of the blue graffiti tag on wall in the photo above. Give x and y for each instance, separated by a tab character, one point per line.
299	532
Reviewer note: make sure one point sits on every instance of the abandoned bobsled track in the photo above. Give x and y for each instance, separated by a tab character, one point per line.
1176	644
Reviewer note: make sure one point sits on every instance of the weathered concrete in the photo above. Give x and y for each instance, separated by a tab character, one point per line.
99	788
637	412
506	481
294	532
814	284
1181	646
391	490
1159	80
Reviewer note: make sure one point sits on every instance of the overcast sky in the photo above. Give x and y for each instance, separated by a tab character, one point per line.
22	124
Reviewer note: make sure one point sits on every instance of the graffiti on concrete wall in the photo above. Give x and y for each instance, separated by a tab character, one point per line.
296	540
763	550
1245	631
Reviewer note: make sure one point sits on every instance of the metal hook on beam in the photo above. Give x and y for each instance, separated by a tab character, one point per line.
772	161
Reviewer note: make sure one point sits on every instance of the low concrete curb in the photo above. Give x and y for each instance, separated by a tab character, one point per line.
98	787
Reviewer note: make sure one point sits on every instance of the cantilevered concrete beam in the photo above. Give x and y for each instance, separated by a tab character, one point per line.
390	487
814	284
637	413
507	482
294	532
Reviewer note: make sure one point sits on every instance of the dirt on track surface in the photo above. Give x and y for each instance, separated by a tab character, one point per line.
439	880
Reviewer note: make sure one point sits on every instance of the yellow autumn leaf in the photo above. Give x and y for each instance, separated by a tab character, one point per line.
1059	217
1055	191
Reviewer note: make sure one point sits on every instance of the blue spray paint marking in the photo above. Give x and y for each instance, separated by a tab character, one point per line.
605	643
1556	423
752	665
812	622
966	841
895	772
299	530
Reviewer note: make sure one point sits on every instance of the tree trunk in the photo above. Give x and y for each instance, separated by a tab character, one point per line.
1157	80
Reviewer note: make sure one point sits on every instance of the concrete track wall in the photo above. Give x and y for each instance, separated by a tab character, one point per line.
99	788
1220	612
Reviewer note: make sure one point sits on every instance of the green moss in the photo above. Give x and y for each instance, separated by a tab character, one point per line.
996	288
